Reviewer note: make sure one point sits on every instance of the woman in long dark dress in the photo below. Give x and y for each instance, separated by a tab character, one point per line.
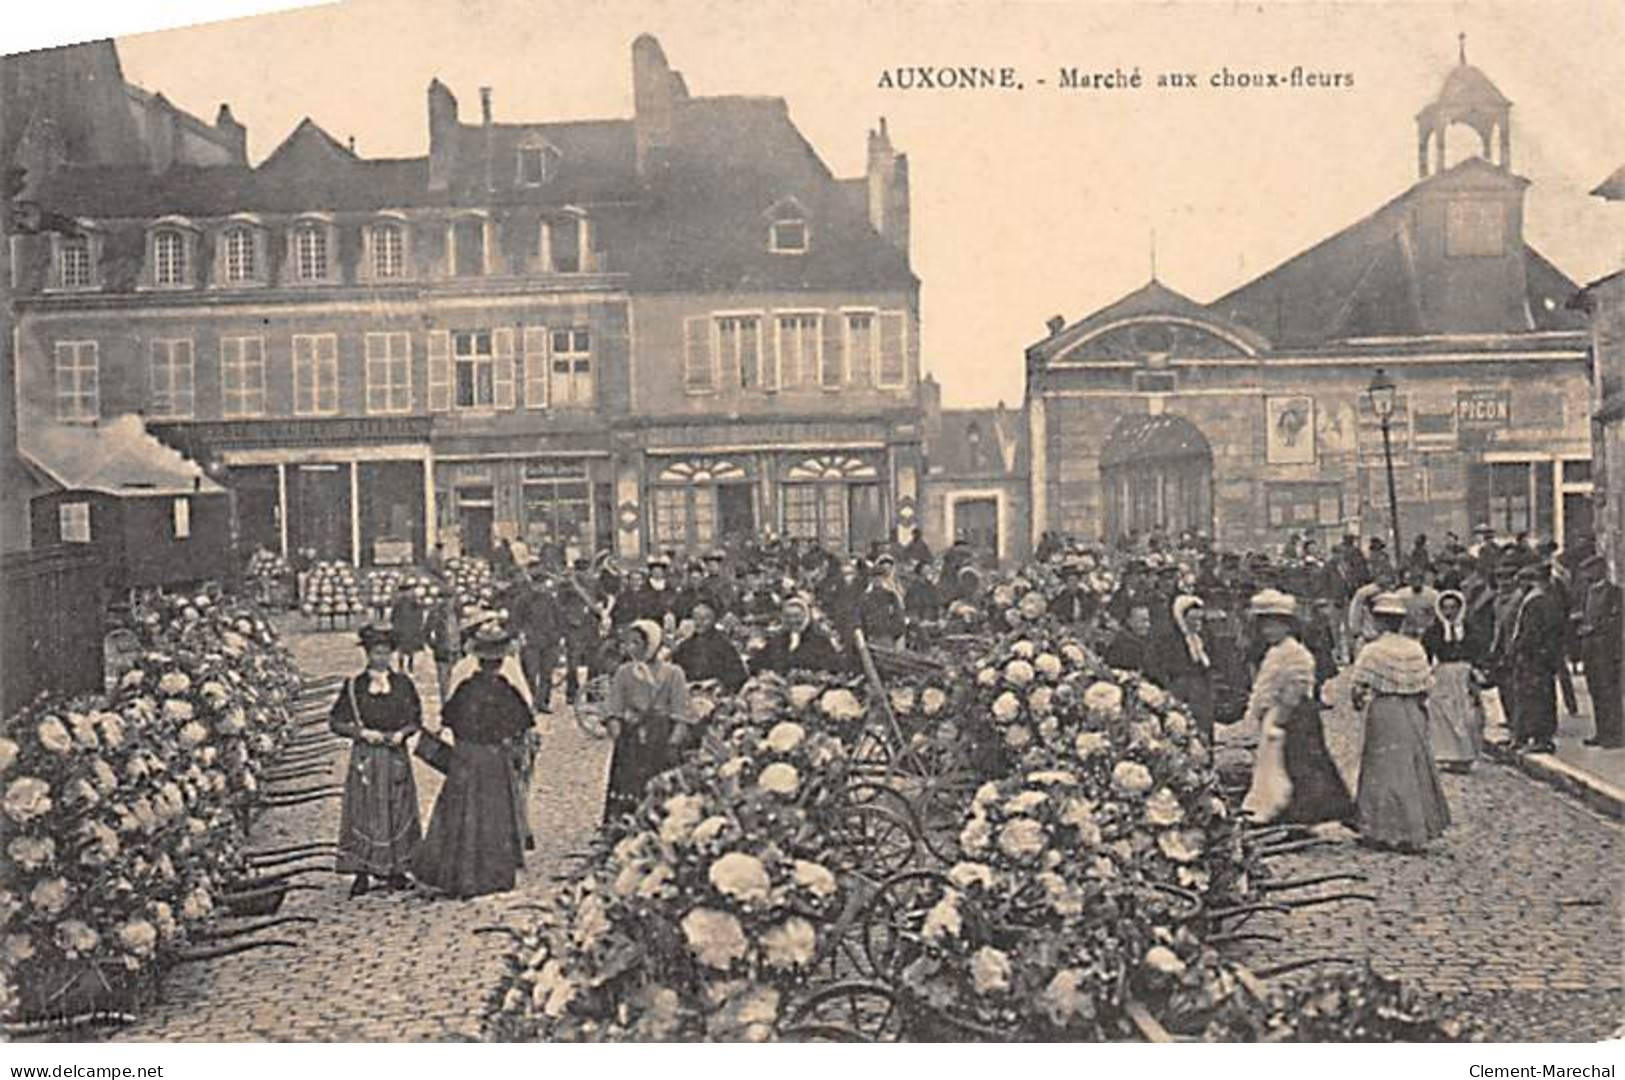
474	844
1294	777
406	618
648	714
1455	716
379	710
1401	804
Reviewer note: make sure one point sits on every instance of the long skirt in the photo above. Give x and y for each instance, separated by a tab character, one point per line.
1400	801
642	752
1318	791
379	830
473	845
1196	691
1455	718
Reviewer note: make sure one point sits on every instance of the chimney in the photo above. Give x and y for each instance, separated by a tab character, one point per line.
657	90
235	134
490	144
351	143
888	189
442	135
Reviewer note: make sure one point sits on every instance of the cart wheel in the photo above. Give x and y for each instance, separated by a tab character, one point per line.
873	842
889	927
847	1012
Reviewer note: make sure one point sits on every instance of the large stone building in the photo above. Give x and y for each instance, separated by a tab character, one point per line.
609	335
1247	417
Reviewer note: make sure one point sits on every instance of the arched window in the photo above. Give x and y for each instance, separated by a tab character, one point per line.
169	257
310	251
240	261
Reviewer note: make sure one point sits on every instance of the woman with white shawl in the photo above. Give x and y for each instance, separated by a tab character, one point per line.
1294	777
1401	805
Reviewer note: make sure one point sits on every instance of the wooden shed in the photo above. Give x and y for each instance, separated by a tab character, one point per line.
152	516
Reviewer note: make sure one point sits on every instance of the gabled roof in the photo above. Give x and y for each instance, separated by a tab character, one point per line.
117	458
1365	281
1151	300
731	160
979	442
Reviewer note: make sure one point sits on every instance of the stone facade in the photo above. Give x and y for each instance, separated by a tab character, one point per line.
611	335
1438	288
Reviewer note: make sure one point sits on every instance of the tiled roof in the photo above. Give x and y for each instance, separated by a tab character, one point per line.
1364	281
596	163
117	457
978	442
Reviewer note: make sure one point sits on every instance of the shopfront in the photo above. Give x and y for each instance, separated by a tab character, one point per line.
696	502
837	499
558	503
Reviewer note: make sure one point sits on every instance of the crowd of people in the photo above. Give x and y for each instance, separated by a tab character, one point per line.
1436	645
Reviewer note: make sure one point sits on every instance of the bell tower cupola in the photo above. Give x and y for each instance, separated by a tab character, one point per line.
1467	97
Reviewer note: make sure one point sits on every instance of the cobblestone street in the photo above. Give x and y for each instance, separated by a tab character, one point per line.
1519	907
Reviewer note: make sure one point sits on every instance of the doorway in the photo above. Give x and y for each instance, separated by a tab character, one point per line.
976	521
475	514
319	510
867	517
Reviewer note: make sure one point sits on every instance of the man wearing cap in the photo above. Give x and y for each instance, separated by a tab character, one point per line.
1074	604
1602	641
1537	652
583	616
922	600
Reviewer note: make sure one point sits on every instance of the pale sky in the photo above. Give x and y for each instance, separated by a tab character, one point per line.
1025	204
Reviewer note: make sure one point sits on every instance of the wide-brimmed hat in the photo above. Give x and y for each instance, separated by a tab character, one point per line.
376	634
1389	603
1273	602
491	639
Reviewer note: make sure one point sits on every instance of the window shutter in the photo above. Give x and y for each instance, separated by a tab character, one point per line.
699	374
502	373
535	367
832	363
893	368
439	370
767	356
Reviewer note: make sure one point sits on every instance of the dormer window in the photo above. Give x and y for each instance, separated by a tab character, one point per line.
75	261
469	246
538	164
169	257
789	236
385	254
787	227
241	265
567	243
310	252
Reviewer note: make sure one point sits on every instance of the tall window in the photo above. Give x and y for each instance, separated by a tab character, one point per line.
169	257
315	374
73	522
571	357
310	252
739	342
563	241
862	343
817	512
242	376
171	365
800	348
475	366
1510	510
239	241
468	242
685	517
77	388
389	373
74	267
388	250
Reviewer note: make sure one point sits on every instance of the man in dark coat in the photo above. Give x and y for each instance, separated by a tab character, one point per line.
1131	648
797	645
882	612
1537	652
581	613
708	654
1602	642
538	617
922	600
917	551
1074	604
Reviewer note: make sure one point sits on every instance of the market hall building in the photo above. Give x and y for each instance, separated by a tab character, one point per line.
1246	419
616	335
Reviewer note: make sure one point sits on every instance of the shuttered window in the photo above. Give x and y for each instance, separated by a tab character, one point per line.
171	379
315	374
699	372
535	343
502	368
439	370
389	373
892	371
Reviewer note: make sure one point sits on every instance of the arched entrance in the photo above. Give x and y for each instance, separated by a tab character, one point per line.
1157	474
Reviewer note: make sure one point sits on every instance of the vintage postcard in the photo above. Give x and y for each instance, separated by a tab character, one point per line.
991	521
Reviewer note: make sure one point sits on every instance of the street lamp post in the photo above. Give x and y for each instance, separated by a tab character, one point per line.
1380	395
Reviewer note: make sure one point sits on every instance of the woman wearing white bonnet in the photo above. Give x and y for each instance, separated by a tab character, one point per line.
648	713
